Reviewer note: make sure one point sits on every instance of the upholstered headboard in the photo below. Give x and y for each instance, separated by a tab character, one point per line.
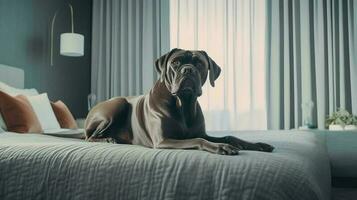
12	76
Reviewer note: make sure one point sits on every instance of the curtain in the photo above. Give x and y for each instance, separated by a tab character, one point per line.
127	37
311	56
232	33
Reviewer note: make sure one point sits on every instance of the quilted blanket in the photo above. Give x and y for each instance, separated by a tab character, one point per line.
35	166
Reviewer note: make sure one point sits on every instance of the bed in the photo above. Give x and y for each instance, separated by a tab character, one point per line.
35	166
39	166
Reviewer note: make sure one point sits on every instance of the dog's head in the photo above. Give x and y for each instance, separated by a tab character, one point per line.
184	72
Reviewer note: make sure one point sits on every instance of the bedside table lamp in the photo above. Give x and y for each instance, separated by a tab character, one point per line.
72	44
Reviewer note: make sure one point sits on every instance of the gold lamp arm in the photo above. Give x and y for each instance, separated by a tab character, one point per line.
72	23
52	27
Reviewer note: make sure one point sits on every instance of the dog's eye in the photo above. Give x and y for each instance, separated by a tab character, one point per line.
176	63
199	64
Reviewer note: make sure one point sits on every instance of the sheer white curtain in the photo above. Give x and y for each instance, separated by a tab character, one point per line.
232	32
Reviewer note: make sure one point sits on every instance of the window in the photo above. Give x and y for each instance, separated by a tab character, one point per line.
232	32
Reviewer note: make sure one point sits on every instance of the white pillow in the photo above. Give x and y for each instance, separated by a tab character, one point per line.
2	124
43	110
15	91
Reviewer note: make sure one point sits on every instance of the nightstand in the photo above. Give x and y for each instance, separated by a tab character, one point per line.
342	151
341	147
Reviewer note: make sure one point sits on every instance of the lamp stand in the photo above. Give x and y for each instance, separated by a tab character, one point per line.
73	50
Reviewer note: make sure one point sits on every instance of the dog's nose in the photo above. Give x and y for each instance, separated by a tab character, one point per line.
186	70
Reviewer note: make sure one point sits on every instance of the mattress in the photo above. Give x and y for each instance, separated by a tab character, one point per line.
35	166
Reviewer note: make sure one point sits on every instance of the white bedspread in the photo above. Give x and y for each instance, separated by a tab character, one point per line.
34	166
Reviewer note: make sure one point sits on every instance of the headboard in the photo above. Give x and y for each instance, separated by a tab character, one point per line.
12	76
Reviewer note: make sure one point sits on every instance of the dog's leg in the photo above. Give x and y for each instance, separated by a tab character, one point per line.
200	144
241	144
103	140
106	121
97	128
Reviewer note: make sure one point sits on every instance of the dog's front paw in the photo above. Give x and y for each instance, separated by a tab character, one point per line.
226	149
244	145
264	147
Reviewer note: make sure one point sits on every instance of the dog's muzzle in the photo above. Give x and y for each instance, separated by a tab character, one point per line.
187	69
187	81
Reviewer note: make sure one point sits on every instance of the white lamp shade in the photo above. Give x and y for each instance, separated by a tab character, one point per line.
72	44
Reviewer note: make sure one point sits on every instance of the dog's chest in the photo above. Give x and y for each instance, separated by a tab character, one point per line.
177	129
151	123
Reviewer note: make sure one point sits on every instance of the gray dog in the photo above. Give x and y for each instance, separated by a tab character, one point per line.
169	116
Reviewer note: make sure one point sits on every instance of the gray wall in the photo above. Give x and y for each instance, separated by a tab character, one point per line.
25	43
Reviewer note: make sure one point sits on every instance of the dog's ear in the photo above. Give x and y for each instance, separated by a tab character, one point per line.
214	69
160	63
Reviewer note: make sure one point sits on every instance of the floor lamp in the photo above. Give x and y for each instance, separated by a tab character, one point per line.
71	44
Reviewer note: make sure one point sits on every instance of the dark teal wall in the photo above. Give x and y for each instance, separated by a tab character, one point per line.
25	43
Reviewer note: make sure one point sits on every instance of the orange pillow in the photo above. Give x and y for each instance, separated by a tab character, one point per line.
18	114
63	115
